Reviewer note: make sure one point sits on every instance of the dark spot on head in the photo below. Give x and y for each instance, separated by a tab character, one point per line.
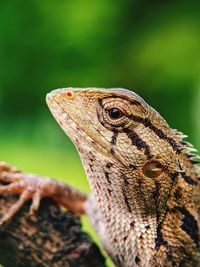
91	159
177	193
114	138
126	180
147	226
109	165
125	237
107	177
155	194
137	260
127	203
91	166
100	101
112	151
109	191
174	175
132	166
140	237
132	224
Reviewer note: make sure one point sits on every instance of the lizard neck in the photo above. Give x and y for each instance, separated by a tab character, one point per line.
178	232
137	237
130	235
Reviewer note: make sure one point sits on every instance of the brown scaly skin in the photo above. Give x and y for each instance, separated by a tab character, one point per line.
144	177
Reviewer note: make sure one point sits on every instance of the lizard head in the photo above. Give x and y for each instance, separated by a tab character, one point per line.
125	131
116	122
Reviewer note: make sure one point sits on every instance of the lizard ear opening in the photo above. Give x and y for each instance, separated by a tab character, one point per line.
152	169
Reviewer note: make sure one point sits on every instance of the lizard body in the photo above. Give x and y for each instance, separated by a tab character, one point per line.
143	176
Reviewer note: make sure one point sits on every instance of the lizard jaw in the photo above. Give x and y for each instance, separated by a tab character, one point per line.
77	135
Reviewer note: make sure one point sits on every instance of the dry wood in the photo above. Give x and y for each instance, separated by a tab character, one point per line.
51	237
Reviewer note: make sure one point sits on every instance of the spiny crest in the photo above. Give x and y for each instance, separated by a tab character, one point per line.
190	151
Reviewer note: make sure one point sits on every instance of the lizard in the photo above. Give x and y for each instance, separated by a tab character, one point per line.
144	178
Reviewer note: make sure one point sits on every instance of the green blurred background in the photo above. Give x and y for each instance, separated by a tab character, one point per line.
151	47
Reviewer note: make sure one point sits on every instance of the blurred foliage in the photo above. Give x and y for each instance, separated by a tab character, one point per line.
151	47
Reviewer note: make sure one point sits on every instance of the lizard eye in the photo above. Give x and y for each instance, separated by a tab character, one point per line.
152	169
115	113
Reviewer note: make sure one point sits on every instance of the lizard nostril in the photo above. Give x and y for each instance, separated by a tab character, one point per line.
70	94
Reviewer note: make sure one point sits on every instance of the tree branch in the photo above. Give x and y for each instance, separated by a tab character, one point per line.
49	238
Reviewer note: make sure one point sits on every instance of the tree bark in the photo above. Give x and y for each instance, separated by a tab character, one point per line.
50	238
